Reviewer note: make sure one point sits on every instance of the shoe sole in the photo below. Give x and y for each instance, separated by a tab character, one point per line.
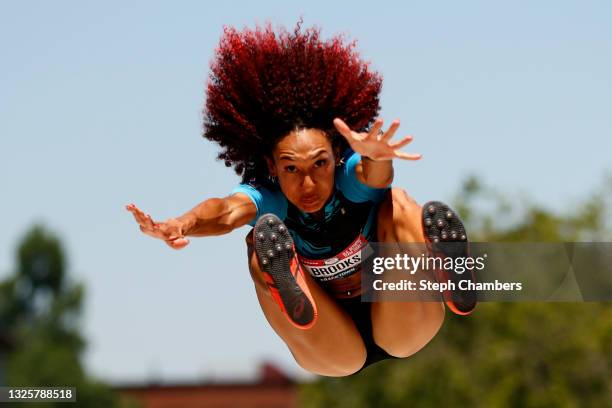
447	238
275	252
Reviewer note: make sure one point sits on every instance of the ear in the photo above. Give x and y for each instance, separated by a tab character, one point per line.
271	166
337	155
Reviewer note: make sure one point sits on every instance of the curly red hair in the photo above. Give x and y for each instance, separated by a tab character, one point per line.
264	84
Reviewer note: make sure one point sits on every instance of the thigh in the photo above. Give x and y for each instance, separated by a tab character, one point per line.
332	346
361	314
402	328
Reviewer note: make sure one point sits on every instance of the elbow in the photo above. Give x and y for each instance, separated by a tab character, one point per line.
215	217
387	182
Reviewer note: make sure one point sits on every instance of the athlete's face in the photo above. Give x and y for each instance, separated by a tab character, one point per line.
304	163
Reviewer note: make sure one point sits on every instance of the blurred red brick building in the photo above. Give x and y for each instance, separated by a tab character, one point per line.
272	389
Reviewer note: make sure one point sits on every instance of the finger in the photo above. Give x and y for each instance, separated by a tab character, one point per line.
342	127
154	232
131	208
401	143
375	130
142	218
137	218
138	215
178	243
150	221
145	221
407	156
391	131
345	131
148	231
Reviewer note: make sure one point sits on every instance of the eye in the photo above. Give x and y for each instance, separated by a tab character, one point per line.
290	169
320	163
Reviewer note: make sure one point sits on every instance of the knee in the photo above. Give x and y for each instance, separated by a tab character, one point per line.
408	340
352	365
399	214
254	268
398	207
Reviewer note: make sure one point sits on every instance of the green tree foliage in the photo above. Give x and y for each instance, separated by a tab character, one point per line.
40	310
505	354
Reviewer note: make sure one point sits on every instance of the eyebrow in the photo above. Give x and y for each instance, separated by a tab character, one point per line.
289	156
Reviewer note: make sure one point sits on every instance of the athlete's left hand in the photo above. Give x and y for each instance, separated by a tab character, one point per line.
374	144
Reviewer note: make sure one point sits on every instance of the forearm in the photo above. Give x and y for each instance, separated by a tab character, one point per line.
217	216
377	174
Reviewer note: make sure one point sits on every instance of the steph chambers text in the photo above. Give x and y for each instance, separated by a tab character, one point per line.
427	285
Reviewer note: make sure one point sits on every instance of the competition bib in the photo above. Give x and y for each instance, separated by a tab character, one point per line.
331	272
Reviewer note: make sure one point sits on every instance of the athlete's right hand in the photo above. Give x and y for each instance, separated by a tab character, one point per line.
171	230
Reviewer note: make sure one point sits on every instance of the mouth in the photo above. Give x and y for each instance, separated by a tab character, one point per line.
309	200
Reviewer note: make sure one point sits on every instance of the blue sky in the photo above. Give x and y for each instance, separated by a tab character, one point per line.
100	106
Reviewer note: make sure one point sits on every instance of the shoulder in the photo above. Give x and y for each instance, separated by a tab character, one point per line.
267	197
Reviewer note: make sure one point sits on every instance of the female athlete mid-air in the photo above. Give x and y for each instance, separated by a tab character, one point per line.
295	116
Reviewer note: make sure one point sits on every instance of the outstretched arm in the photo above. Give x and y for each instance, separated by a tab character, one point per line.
377	152
215	216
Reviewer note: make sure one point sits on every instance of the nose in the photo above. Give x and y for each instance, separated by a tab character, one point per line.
307	182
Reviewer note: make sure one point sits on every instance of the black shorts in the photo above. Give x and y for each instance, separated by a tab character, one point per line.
360	313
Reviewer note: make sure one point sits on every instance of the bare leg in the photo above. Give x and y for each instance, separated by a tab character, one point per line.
403	328
331	347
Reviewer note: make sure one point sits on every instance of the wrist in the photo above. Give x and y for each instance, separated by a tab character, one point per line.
375	160
187	223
